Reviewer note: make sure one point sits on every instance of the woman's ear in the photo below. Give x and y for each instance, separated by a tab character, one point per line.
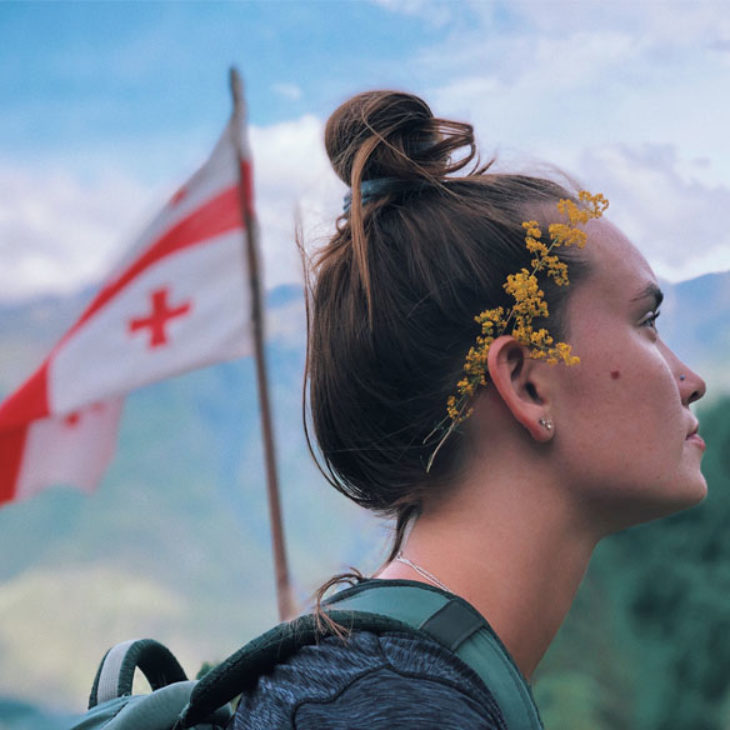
522	384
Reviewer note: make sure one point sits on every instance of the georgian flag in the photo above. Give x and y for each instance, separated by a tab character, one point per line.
179	300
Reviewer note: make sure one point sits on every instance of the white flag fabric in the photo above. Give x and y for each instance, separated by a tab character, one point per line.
179	300
73	449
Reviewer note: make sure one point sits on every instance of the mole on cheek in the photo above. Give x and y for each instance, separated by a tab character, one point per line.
615	374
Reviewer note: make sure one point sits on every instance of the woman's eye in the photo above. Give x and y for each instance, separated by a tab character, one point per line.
650	320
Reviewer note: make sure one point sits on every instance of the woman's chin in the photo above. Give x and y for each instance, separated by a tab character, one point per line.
691	495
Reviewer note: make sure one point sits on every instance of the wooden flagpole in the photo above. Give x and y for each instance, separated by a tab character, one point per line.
283	587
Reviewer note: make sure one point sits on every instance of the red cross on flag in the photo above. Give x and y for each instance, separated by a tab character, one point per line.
179	300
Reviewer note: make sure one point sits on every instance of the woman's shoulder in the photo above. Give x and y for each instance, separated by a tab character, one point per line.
374	681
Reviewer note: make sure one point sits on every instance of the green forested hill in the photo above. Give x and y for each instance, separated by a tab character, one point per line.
647	643
175	543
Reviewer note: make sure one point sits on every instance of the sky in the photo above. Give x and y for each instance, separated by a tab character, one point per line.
106	108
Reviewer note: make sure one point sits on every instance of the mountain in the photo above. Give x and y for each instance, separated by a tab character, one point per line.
695	322
175	544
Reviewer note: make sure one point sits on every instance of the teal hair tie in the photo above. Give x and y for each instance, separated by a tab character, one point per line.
372	189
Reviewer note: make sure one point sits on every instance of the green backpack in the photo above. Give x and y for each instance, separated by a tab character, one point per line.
375	606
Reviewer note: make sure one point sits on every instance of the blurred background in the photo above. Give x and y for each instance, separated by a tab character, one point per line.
106	108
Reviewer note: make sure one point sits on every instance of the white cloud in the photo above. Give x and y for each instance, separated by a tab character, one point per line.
61	229
288	91
555	76
59	232
625	98
292	175
663	205
598	89
436	14
678	22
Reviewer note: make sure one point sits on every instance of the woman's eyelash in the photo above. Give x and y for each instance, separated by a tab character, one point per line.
650	319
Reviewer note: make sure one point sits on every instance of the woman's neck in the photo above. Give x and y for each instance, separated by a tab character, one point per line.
516	556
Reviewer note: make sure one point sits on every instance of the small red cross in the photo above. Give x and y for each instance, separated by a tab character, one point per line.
161	315
73	418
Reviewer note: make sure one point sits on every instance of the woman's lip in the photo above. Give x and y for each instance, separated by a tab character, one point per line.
695	438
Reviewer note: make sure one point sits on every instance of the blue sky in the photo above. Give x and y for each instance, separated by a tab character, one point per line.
118	57
105	108
94	73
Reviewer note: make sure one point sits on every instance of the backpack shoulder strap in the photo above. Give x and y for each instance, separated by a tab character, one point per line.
457	625
378	606
241	671
115	675
112	705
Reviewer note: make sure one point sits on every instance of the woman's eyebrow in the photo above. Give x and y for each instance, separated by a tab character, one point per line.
651	291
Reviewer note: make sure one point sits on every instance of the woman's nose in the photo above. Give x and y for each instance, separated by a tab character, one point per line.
691	386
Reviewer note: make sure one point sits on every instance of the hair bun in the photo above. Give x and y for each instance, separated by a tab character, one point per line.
392	134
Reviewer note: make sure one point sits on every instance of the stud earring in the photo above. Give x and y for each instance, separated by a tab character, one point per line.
683	377
546	423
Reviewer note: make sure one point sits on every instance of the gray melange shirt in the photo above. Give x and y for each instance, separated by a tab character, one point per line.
372	682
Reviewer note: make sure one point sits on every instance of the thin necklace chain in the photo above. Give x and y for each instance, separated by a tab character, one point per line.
422	572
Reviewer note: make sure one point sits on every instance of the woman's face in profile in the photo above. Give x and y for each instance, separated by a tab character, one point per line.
624	430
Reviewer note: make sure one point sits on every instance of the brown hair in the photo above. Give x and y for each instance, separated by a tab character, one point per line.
396	290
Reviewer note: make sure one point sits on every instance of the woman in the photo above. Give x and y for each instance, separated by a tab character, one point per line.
501	498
